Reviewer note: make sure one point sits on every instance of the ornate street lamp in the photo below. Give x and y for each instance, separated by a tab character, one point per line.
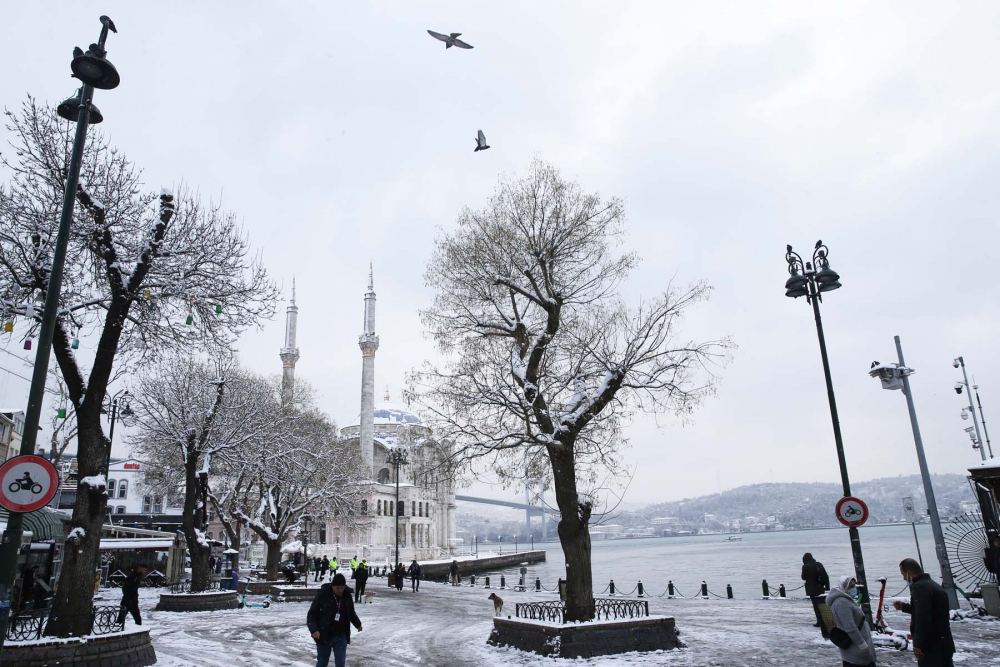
397	457
811	279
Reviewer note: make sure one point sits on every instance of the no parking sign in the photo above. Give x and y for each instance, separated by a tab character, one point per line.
27	483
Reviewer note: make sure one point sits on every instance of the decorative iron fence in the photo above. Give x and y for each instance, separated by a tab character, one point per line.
604	610
25	625
185	587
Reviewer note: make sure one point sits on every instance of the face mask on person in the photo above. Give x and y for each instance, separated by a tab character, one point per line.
853	592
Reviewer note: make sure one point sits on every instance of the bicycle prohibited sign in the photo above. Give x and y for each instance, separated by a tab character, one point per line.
27	483
852	511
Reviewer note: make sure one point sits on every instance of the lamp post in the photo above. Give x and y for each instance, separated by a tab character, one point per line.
897	376
811	279
94	70
978	440
396	458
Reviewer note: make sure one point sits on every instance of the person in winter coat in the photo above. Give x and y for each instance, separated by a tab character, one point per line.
360	578
354	566
454	572
324	566
933	645
236	577
414	572
130	594
400	573
329	619
847	616
817	585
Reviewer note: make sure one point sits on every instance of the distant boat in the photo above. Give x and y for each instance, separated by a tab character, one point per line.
733	538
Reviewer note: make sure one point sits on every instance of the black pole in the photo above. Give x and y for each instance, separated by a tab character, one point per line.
12	535
982	418
859	562
396	461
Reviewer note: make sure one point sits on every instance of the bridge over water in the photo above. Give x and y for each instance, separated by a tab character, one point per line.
529	511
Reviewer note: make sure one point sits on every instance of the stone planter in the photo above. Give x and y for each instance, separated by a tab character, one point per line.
125	649
209	601
586	640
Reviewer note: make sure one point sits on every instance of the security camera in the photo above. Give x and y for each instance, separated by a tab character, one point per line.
955	363
965	414
958	387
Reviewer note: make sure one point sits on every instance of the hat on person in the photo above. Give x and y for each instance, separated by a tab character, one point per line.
339	580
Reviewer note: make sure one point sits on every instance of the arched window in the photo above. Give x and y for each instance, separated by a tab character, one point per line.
123	489
364	506
413	508
420	509
379	506
383	476
390	508
111	488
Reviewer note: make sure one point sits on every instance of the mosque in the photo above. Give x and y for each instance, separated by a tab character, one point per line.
423	498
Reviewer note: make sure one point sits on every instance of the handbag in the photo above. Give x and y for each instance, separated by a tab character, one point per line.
841	639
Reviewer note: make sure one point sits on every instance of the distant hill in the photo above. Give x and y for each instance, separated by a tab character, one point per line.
810	505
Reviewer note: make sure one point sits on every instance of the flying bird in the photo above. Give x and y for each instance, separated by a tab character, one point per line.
480	142
450	40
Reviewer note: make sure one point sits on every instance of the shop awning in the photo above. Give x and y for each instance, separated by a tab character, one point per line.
44	524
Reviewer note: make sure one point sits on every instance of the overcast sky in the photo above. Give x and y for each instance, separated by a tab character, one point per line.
341	133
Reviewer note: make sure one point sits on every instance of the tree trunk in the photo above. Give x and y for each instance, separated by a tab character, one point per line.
574	536
273	558
192	523
72	605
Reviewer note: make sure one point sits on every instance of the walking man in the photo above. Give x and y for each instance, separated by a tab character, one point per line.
130	594
360	578
329	619
933	645
354	566
817	585
414	575
454	572
400	573
324	565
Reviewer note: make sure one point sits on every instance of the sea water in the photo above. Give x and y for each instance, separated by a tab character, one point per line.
774	556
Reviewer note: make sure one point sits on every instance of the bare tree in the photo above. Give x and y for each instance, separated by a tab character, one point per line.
144	275
546	361
193	411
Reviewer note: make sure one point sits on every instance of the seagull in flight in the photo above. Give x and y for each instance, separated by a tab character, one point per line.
450	40
480	142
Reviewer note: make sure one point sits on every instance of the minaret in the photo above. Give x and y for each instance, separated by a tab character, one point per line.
289	353
368	342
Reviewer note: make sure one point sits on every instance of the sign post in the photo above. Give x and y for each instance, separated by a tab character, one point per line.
851	511
911	516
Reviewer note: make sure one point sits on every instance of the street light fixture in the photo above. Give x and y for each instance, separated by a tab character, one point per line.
811	279
397	457
94	70
897	376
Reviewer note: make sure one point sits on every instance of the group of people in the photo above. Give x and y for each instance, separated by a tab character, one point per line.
846	626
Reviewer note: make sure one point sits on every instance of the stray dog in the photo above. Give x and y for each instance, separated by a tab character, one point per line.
497	604
368	596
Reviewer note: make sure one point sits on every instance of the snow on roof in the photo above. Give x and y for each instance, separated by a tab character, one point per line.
391	413
134	544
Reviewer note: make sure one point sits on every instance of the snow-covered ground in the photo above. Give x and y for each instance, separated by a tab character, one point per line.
444	626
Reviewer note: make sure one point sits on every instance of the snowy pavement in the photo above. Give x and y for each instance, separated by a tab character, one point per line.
444	626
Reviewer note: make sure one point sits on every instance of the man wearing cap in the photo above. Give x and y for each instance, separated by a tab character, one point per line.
330	618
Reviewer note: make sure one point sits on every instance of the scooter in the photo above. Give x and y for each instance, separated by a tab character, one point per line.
900	640
252	605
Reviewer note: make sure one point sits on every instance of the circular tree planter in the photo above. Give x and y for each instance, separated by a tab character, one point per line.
207	601
125	649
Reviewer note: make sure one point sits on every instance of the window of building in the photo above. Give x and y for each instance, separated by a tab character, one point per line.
383	476
364	506
18	423
111	488
322	534
413	508
379	508
420	508
120	509
158	505
123	489
147	501
390	508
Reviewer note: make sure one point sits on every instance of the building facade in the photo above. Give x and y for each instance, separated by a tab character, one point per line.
11	430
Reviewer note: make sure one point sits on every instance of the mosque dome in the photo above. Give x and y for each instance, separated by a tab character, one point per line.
390	413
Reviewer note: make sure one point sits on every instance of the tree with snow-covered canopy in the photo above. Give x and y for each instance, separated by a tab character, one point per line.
545	360
192	412
138	265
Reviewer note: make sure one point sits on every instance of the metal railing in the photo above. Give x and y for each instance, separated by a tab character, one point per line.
604	610
185	587
27	625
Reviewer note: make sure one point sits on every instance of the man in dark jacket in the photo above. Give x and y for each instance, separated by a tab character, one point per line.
817	585
360	578
454	572
324	565
330	618
933	645
130	595
414	572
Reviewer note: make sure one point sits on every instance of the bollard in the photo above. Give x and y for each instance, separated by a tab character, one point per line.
538	584
503	582
729	591
765	591
670	589
487	582
640	589
612	586
781	590
472	580
704	590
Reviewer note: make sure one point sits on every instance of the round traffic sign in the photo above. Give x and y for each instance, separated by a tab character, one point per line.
852	511
27	483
